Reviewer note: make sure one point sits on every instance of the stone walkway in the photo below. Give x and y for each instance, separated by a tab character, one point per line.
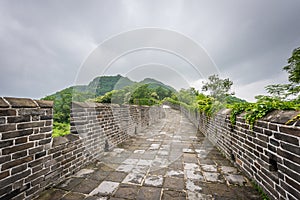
168	160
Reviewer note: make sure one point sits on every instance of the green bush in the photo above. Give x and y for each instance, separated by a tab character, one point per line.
60	129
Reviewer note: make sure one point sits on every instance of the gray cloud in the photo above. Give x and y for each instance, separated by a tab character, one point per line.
44	43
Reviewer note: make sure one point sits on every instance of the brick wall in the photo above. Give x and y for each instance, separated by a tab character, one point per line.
269	153
30	159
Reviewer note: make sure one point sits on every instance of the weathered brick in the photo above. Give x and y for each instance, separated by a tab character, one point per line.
274	142
35	150
32	112
292	166
16	162
7	127
2	120
37	175
30	125
18	169
21	140
291	148
45	141
15	177
8	112
46	117
14	134
290	130
44	103
289	156
6	143
4	174
291	190
286	138
45	129
40	154
5	189
273	127
17	119
36	137
4	159
19	154
17	148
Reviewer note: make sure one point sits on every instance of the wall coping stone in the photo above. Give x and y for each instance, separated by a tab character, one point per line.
44	103
65	139
280	116
20	102
3	104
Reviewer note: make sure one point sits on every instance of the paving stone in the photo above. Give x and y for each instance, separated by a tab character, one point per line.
70	183
209	168
173	195
156	181
154	146
86	186
52	194
193	175
130	161
116	176
193	186
175	173
126	191
236	179
105	188
191	166
228	170
73	196
198	196
125	168
99	175
84	172
213	177
132	178
140	169
95	198
144	162
139	151
149	193
174	183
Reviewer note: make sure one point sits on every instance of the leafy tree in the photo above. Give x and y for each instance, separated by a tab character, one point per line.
218	88
293	67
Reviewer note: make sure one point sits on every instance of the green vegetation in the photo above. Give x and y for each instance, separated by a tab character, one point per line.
260	191
60	129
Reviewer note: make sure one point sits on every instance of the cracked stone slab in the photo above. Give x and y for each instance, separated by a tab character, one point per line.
213	177
198	196
154	146
155	181
130	161
169	194
118	150
126	191
105	188
174	183
193	175
144	162
209	168
228	170
125	168
140	169
139	151
191	186
84	172
175	173
191	166
163	152
236	179
133	178
149	193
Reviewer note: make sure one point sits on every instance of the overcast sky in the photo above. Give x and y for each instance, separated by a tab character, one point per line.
43	44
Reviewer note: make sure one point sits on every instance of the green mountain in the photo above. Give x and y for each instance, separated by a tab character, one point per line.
155	84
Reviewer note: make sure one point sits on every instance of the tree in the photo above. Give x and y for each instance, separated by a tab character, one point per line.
218	88
283	91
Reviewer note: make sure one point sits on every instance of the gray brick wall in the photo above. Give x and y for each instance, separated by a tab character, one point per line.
269	153
30	159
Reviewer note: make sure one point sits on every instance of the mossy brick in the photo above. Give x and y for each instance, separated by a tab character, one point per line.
17	148
20	102
15	134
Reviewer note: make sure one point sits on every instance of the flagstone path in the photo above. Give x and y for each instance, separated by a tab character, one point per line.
168	160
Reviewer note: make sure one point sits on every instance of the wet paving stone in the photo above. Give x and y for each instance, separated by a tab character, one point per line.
169	160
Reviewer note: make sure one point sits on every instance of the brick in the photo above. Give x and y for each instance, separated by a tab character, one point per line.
30	125
36	137
273	127
46	117
293	183
4	174
291	148
274	142
5	189
17	119
286	138
288	156
7	127
45	129
16	162
40	154
292	166
3	104
21	140
35	150
20	102
290	130
4	159
17	148
2	120
6	143
32	112
15	177
45	141
19	154
291	190
37	175
8	112
14	134
18	169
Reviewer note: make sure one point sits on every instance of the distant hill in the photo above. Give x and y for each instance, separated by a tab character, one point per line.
155	84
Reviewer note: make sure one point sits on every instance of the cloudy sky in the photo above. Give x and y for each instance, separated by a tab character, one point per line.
45	45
